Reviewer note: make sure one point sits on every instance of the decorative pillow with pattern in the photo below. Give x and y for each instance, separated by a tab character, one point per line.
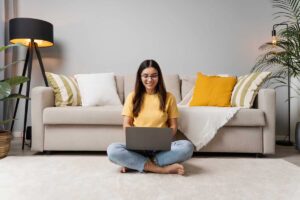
246	89
65	90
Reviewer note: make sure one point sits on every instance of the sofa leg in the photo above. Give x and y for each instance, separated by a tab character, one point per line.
47	152
259	155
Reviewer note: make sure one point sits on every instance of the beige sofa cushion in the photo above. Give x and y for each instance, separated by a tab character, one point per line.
111	115
171	81
248	117
100	115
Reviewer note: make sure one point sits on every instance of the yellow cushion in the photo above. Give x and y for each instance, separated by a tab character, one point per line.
213	91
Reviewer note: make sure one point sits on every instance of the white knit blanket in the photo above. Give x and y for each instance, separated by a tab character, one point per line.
200	124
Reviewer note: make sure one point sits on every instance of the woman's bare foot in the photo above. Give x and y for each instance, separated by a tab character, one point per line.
169	169
125	170
174	169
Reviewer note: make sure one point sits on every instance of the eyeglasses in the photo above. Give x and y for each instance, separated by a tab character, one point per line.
146	76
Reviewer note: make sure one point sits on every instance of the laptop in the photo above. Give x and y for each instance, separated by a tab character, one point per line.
148	138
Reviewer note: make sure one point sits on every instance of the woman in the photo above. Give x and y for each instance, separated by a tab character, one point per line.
150	105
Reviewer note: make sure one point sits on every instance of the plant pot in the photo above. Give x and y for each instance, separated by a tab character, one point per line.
297	136
5	138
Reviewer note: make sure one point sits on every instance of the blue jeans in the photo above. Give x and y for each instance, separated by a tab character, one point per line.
181	150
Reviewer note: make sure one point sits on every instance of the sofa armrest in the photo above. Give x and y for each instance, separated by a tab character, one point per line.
41	97
266	101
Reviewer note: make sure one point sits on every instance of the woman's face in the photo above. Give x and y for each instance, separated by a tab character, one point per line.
149	78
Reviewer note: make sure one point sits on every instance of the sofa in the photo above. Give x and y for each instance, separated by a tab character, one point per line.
77	128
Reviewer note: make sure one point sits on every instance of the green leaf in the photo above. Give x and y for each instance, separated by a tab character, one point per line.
5	121
5	90
15	96
13	63
6	85
16	80
9	46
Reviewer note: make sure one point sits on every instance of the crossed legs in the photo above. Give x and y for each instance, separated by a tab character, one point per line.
163	162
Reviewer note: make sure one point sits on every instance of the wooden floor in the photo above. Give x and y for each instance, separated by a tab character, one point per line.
288	153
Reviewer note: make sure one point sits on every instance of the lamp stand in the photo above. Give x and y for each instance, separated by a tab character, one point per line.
28	67
286	142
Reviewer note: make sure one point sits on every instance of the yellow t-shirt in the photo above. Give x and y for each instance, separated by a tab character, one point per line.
150	114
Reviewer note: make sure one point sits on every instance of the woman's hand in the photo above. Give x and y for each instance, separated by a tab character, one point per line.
127	122
173	125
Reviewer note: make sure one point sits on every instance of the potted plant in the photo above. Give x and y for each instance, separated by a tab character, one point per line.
6	94
282	55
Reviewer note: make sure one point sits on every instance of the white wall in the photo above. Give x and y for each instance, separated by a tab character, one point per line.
184	36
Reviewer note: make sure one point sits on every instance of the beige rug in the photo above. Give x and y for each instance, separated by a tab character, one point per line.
94	177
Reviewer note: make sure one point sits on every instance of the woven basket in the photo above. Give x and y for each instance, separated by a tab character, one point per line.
5	138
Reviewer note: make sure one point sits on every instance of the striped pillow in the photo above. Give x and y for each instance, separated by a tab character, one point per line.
65	89
246	89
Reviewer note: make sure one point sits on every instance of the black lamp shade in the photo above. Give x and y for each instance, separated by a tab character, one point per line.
22	30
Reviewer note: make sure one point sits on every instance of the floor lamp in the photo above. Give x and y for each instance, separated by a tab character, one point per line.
33	33
284	142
